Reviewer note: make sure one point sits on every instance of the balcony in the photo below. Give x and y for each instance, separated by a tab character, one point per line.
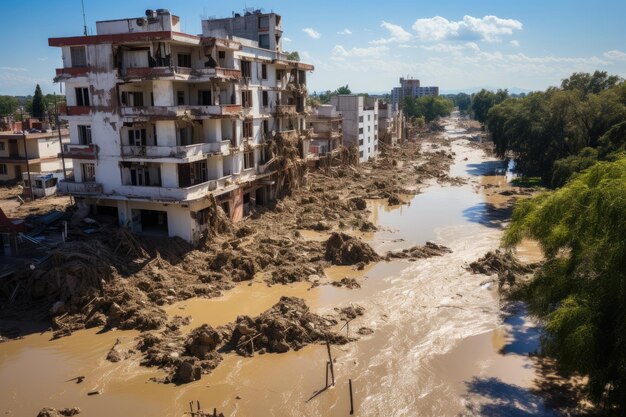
179	111
285	110
178	152
79	188
335	134
217	73
289	134
77	110
71	72
75	151
193	192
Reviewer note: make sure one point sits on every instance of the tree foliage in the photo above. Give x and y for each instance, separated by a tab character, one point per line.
580	291
293	56
324	97
545	127
8	105
39	107
484	100
428	107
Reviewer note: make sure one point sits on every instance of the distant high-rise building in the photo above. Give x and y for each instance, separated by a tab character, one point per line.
411	88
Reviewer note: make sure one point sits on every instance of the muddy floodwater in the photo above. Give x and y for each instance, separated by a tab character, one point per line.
443	344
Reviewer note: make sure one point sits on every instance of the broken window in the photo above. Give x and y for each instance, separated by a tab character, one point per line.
180	98
184	60
132	98
84	134
246	69
137	137
89	172
192	174
82	96
247	129
248	160
264	71
264	41
145	175
221	56
204	98
79	56
246	99
266	98
279	75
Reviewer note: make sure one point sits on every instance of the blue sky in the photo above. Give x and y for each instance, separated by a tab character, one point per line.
368	44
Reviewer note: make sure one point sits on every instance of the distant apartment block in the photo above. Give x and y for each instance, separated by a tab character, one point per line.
360	123
411	88
326	129
161	122
390	124
42	150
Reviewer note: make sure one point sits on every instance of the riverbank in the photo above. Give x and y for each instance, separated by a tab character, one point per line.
438	337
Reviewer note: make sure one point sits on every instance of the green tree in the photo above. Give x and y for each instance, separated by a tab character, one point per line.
428	107
8	105
293	56
343	90
39	108
484	100
587	83
580	291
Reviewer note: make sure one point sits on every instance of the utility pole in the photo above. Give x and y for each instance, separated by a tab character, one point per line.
82	3
30	183
56	111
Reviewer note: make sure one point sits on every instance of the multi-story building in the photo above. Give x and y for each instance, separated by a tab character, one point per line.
390	123
163	122
360	123
42	150
411	88
327	131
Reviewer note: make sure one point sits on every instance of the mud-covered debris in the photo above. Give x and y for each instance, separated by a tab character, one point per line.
358	203
429	250
63	412
350	312
349	283
343	249
503	263
289	324
116	354
365	331
394	200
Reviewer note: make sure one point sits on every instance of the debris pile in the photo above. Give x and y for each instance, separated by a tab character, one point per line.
53	412
503	263
429	250
342	249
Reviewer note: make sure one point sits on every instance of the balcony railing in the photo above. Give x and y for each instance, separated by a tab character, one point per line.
79	188
77	110
193	192
72	72
177	111
151	73
76	151
182	152
222	73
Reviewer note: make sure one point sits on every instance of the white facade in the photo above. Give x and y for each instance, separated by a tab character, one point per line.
360	123
411	88
161	120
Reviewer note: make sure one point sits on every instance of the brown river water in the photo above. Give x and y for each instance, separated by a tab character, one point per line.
443	343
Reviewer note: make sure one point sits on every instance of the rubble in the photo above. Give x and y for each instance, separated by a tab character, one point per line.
503	263
342	249
53	412
429	250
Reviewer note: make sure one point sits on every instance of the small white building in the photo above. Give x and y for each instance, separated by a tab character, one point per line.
43	150
360	123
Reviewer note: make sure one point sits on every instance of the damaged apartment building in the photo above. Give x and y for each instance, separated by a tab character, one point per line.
164	124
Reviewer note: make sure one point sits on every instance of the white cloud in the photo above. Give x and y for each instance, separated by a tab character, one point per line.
515	43
488	28
346	31
396	32
13	69
312	33
372	51
286	39
615	55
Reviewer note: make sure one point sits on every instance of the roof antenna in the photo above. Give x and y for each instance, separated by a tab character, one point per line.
82	3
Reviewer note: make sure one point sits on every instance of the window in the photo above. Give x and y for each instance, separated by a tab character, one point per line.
137	137
360	119
264	41
279	75
1	145
221	57
180	98
266	126
89	172
360	131
132	98
204	97
369	128
248	160
369	117
247	129
78	56
264	71
264	22
246	99
84	134
82	96
360	142
361	154
3	169
184	60
266	98
245	69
